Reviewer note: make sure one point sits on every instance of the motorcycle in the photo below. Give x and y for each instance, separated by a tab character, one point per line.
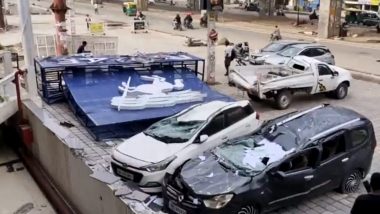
274	37
177	26
188	25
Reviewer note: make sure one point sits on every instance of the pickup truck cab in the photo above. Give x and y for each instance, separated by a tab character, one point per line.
300	74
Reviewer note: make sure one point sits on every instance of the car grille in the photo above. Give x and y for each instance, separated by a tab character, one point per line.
136	176
175	194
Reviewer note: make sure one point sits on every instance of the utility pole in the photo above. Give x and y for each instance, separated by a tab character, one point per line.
28	46
210	48
59	9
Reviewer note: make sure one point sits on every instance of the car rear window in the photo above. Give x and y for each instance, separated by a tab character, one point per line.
358	137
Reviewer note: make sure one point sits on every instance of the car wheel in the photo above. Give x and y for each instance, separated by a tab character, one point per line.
283	99
254	97
248	209
351	183
341	91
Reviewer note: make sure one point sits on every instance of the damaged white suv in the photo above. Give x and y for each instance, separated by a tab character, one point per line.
146	157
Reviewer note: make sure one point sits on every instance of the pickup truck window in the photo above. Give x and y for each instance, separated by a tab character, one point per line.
324	70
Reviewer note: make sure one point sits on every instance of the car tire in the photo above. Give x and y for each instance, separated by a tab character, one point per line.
254	97
351	182
341	91
248	209
283	99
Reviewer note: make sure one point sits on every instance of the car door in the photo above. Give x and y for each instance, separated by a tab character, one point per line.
332	165
240	121
361	145
326	79
289	182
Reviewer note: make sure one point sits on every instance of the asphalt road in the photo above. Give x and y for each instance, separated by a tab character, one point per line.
357	57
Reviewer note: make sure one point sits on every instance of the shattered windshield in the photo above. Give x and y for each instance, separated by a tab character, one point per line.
273	47
172	130
290	52
252	155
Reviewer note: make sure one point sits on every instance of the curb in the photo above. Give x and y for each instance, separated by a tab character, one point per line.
358	75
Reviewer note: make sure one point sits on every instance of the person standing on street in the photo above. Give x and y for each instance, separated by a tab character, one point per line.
96	8
276	35
88	21
228	56
81	48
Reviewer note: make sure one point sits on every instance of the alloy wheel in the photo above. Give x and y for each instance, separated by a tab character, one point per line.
249	209
352	182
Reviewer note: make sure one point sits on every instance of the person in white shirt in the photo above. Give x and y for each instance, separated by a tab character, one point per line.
228	56
88	21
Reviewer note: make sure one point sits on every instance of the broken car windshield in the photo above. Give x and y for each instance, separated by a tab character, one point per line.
171	130
252	155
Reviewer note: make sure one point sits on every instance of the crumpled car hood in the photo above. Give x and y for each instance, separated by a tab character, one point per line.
205	176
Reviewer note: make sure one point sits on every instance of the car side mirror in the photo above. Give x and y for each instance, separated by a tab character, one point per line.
335	73
203	138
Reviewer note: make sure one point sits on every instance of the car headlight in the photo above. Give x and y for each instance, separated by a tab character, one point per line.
218	202
158	166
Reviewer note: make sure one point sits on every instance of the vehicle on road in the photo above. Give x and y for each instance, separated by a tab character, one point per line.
146	157
301	74
290	158
370	18
130	8
314	50
273	48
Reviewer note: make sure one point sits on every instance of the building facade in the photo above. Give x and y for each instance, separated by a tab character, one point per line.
368	5
304	5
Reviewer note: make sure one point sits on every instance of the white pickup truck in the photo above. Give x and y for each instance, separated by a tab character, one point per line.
300	74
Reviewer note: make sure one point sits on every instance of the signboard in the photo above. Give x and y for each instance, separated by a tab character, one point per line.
369	2
97	28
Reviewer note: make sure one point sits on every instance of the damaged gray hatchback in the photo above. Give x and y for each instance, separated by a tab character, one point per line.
289	158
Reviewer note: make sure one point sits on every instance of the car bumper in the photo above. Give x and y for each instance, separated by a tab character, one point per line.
150	182
173	203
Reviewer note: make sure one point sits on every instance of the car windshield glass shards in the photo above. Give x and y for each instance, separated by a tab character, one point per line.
252	155
171	130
